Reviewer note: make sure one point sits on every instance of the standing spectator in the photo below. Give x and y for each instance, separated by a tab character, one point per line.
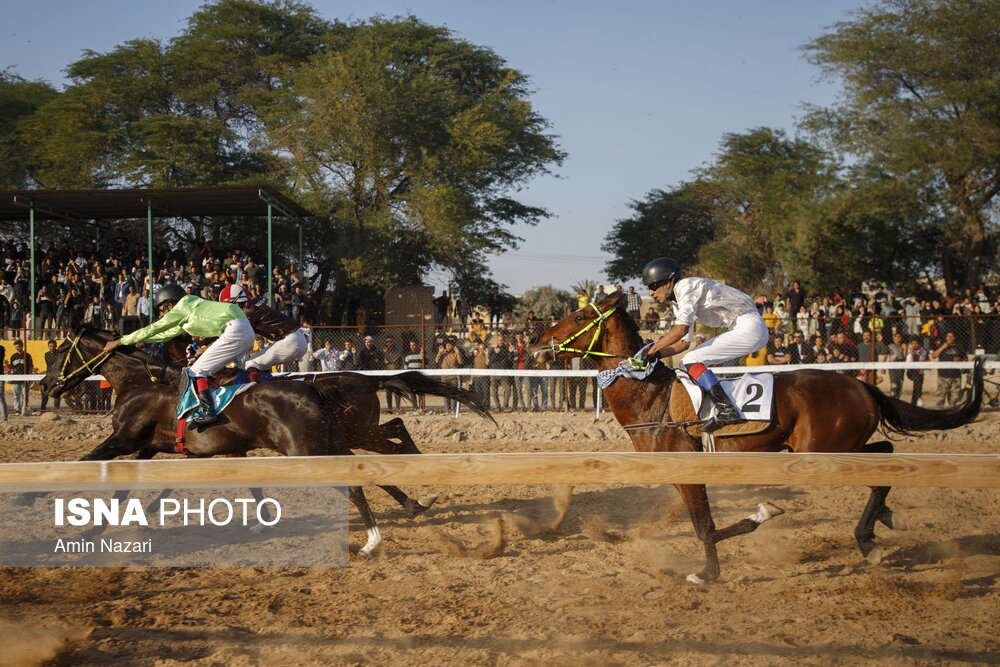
521	363
45	314
92	314
393	359
51	360
414	359
370	358
577	386
495	304
796	299
21	364
16	320
480	361
328	357
949	379
916	352
896	352
441	306
349	357
142	309
4	367
866	354
449	357
633	304
498	358
130	311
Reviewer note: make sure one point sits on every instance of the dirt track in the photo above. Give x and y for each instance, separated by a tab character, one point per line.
528	575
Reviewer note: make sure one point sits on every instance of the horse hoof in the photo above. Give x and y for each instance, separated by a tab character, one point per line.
695	579
257	529
764	512
892	520
426	502
874	556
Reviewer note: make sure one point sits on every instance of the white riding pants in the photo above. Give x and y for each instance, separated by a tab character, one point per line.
748	335
289	348
235	340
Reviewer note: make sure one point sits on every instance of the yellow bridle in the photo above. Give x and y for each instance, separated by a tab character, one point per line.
86	364
589	352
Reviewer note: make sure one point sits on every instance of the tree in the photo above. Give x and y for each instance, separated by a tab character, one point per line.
544	301
19	99
412	141
675	223
921	103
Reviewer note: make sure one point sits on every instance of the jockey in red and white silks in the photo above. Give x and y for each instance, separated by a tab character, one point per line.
290	341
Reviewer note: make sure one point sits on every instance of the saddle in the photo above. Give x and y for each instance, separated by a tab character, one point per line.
683	410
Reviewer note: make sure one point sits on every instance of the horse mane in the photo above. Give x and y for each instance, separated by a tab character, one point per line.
145	357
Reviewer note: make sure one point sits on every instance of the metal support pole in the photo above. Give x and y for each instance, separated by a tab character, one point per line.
270	264
33	288
149	259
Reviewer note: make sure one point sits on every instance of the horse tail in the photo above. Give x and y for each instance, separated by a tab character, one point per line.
903	418
415	382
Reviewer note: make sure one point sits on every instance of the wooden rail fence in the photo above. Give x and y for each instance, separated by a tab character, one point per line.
918	470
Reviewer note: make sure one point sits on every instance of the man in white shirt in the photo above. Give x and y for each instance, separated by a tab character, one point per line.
142	308
328	357
717	306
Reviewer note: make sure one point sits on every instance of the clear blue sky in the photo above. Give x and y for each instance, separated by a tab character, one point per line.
638	92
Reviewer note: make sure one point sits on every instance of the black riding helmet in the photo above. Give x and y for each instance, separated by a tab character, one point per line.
659	271
170	293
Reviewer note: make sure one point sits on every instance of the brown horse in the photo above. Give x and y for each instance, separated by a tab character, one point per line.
815	411
291	418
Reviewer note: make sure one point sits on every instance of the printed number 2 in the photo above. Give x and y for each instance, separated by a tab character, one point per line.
754	392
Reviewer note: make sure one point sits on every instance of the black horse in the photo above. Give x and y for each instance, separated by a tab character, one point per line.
291	418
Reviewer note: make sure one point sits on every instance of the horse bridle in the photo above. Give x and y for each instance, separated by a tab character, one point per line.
598	321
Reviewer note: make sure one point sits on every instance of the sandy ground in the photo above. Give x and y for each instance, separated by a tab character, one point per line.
545	575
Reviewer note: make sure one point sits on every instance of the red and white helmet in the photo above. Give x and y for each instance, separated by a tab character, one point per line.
233	294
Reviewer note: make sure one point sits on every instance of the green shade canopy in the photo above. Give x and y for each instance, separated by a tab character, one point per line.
229	200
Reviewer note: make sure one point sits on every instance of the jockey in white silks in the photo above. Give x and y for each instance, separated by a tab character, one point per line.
715	305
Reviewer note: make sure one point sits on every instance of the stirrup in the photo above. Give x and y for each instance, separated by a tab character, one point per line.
714	424
204	416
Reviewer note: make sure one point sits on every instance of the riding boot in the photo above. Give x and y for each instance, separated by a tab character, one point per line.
725	412
205	412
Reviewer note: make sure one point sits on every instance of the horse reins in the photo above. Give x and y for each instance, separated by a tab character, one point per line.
85	364
599	322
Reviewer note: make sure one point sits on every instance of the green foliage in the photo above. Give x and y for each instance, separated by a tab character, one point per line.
411	140
921	104
544	301
19	99
665	224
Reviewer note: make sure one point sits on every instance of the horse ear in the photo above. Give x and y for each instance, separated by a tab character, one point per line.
616	298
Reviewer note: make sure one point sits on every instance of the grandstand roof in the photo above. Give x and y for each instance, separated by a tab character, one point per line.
228	200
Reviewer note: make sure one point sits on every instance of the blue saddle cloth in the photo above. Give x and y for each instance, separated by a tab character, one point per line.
221	398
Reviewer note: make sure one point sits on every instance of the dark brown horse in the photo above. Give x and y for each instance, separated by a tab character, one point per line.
291	418
815	411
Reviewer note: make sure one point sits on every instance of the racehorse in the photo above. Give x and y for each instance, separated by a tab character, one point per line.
292	418
815	411
359	408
